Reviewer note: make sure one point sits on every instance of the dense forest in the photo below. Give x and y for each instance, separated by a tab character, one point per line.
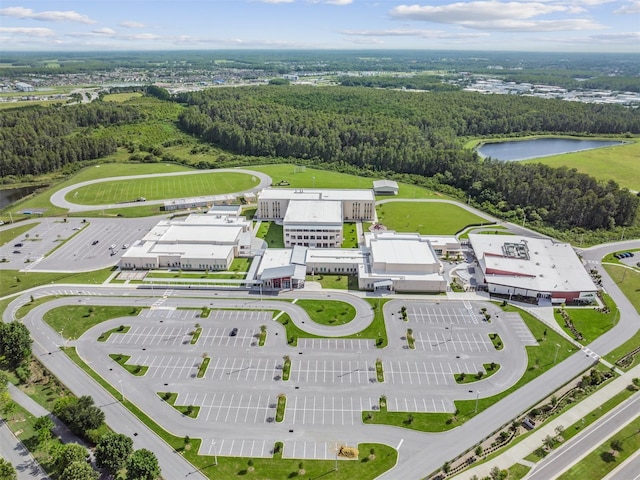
421	134
41	140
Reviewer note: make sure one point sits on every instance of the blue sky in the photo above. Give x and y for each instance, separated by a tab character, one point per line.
536	25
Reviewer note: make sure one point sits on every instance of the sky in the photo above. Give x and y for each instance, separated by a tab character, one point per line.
518	25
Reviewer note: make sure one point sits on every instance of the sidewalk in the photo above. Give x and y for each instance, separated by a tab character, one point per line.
517	453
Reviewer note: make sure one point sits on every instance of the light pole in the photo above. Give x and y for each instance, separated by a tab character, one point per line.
313	182
477	399
336	467
62	337
215	455
451	333
556	355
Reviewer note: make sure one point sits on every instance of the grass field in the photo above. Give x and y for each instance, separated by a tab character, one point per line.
349	236
425	218
590	322
272	233
121	97
163	187
74	320
28	103
314	178
340	282
617	163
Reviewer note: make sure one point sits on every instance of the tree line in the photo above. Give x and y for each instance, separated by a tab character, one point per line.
34	141
391	131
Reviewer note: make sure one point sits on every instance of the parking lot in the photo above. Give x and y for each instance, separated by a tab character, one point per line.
74	245
331	381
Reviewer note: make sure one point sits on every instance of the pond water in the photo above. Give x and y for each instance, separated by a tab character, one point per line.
540	147
11	195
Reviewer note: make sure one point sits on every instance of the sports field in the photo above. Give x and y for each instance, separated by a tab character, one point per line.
158	188
428	218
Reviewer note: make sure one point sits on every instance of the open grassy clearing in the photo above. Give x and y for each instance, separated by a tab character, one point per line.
328	312
12	233
627	280
315	178
121	97
618	163
13	281
29	103
425	218
339	282
74	320
540	360
163	188
602	460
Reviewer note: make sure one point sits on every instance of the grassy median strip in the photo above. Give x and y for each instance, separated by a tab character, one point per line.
203	366
196	335
137	370
286	368
121	329
608	455
379	371
490	369
282	404
496	340
190	411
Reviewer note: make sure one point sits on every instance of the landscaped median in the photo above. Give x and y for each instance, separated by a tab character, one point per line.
364	468
137	370
74	320
190	411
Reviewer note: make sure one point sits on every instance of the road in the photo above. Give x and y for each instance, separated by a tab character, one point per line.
15	452
59	200
579	447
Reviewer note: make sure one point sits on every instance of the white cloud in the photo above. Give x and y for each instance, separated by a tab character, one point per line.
333	2
475	12
275	1
132	24
630	8
431	34
623	38
140	36
35	32
50	16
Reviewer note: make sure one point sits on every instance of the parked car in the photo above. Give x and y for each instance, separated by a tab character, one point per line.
125	246
18	245
234	332
95	242
113	245
17	251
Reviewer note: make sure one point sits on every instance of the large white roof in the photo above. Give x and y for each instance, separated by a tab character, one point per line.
401	249
316	194
313	211
185	233
151	249
530	263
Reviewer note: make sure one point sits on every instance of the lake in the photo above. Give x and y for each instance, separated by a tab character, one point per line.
11	195
540	147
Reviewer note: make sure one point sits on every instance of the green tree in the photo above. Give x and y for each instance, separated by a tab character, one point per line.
67	455
7	472
44	423
142	465
79	471
15	342
79	414
112	451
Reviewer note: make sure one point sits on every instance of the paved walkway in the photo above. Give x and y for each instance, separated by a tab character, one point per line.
518	452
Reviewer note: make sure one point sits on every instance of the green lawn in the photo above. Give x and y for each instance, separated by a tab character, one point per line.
349	236
272	233
590	322
540	360
601	461
328	312
104	336
365	468
10	234
425	218
628	281
74	320
471	377
618	163
158	188
338	282
13	281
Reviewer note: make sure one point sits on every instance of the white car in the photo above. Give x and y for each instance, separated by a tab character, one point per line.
125	246
112	246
